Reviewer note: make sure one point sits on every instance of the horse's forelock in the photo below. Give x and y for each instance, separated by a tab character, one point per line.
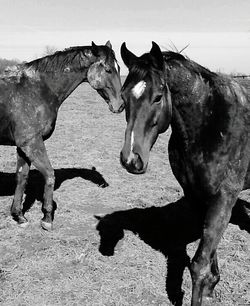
137	73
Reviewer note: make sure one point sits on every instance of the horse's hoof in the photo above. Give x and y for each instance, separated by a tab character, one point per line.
19	218
46	226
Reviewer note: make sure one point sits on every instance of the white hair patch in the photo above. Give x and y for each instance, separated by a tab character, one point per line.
132	141
139	89
131	154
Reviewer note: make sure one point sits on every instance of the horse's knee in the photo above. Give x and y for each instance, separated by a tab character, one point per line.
199	272
209	283
199	268
50	180
203	277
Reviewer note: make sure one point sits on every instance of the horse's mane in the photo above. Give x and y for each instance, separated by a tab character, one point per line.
142	67
60	59
174	57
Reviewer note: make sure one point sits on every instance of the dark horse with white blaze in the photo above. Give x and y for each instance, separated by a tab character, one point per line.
209	148
30	97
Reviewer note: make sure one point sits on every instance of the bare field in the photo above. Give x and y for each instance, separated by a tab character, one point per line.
64	267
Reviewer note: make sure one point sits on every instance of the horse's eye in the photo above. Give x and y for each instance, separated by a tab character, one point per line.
157	98
107	68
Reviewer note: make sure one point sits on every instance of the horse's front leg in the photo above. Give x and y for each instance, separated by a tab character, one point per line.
22	172
216	220
214	278
35	150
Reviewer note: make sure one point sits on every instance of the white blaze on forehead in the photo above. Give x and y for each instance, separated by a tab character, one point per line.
131	154
132	141
138	89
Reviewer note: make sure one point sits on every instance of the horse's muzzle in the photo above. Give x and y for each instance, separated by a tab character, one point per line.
116	111
133	163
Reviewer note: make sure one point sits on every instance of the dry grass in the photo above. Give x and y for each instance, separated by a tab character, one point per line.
64	267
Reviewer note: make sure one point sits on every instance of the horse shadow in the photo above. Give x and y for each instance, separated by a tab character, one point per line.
35	184
168	229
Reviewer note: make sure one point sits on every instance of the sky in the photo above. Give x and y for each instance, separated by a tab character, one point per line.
217	32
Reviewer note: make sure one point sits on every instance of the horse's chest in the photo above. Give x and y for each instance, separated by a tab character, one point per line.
195	174
202	175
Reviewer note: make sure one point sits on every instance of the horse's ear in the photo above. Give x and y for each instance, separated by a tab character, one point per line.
157	56
108	44
94	49
127	56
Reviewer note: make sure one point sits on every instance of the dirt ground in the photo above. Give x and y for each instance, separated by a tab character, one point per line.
64	267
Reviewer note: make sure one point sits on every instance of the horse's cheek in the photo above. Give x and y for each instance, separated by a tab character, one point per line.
95	78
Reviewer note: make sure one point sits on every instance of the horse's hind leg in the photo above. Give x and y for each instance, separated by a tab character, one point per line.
22	172
247	179
37	154
241	215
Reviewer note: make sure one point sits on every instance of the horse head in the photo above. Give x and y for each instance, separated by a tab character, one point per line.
148	106
104	76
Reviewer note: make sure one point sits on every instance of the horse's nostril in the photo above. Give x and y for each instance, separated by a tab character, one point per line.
124	162
121	108
111	108
138	163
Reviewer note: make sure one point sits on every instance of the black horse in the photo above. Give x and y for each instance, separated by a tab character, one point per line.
209	148
168	229
30	96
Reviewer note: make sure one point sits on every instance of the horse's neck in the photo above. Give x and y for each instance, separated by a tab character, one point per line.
63	84
189	95
61	81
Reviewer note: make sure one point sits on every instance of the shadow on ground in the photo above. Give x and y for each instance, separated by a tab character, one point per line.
168	229
35	185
